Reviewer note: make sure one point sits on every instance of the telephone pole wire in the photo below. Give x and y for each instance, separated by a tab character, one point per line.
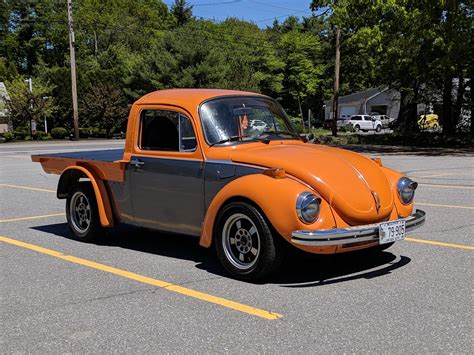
335	102
73	70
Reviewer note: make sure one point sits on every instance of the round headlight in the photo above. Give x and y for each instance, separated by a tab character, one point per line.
307	207
406	190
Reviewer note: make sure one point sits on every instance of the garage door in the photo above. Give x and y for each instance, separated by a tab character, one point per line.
347	111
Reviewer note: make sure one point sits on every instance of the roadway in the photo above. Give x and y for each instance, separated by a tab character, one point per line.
144	291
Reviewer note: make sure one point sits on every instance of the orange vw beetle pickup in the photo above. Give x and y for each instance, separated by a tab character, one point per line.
228	167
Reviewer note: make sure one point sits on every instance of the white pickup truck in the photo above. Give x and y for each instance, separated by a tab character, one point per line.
365	123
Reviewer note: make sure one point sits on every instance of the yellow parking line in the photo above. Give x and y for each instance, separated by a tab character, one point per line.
26	188
150	281
441	174
440	243
448	186
430	176
447	206
31	217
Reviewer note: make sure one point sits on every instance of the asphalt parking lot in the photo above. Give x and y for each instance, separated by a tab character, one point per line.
149	292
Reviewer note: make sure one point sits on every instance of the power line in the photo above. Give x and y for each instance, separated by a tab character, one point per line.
218	3
286	15
276	6
236	37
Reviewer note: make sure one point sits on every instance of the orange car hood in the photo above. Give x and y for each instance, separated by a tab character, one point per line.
349	182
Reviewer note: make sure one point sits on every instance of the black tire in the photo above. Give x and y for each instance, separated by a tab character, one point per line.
260	251
82	213
378	129
357	128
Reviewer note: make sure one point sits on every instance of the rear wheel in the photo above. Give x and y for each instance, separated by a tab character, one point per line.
357	128
245	244
82	213
378	129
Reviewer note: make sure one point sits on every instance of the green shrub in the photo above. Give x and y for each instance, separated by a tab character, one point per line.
20	133
38	135
59	133
299	128
85	132
8	136
97	133
41	136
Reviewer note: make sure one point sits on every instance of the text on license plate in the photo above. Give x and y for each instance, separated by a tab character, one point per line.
391	231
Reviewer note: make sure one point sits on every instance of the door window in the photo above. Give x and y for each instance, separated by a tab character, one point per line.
163	130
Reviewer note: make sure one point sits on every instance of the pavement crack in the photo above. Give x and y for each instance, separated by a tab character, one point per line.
68	304
193	281
447	230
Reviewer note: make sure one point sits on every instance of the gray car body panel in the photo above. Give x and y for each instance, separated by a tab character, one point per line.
170	194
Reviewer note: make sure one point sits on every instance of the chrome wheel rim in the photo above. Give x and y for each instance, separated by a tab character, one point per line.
80	212
241	241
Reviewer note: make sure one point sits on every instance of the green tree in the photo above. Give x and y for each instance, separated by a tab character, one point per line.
25	106
105	106
182	11
302	70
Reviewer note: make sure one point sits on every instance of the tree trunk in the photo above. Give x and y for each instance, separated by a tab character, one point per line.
448	124
407	117
457	109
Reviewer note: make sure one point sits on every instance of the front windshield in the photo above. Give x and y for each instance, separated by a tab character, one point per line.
244	118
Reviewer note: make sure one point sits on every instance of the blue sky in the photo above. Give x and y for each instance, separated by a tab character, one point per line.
262	12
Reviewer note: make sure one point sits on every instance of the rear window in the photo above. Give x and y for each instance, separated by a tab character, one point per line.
163	130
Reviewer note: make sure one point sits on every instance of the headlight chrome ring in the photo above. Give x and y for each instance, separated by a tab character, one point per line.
406	190
307	207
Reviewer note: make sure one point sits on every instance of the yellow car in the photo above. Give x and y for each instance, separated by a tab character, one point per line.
429	122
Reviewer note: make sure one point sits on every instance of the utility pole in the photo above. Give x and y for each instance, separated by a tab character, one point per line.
45	120
30	88
337	64
73	70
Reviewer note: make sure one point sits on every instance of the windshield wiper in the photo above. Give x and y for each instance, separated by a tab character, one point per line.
235	138
277	133
229	139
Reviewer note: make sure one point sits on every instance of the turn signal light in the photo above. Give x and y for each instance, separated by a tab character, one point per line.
275	173
378	161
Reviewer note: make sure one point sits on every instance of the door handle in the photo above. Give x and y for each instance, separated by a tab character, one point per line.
137	163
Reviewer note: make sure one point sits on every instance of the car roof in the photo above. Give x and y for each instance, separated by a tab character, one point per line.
189	97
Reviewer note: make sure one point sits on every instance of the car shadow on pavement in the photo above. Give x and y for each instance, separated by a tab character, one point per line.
299	269
308	270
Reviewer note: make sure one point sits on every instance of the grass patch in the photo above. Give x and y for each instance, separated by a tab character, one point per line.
422	139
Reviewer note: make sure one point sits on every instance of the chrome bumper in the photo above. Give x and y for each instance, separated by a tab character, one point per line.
338	236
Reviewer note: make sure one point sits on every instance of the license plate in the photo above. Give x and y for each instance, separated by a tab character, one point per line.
391	231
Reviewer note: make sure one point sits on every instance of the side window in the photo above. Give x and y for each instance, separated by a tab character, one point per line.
164	130
187	137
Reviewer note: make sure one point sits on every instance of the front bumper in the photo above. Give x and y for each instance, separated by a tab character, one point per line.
338	236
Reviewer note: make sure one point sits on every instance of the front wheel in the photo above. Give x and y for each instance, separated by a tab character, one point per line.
378	129
82	213
245	244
